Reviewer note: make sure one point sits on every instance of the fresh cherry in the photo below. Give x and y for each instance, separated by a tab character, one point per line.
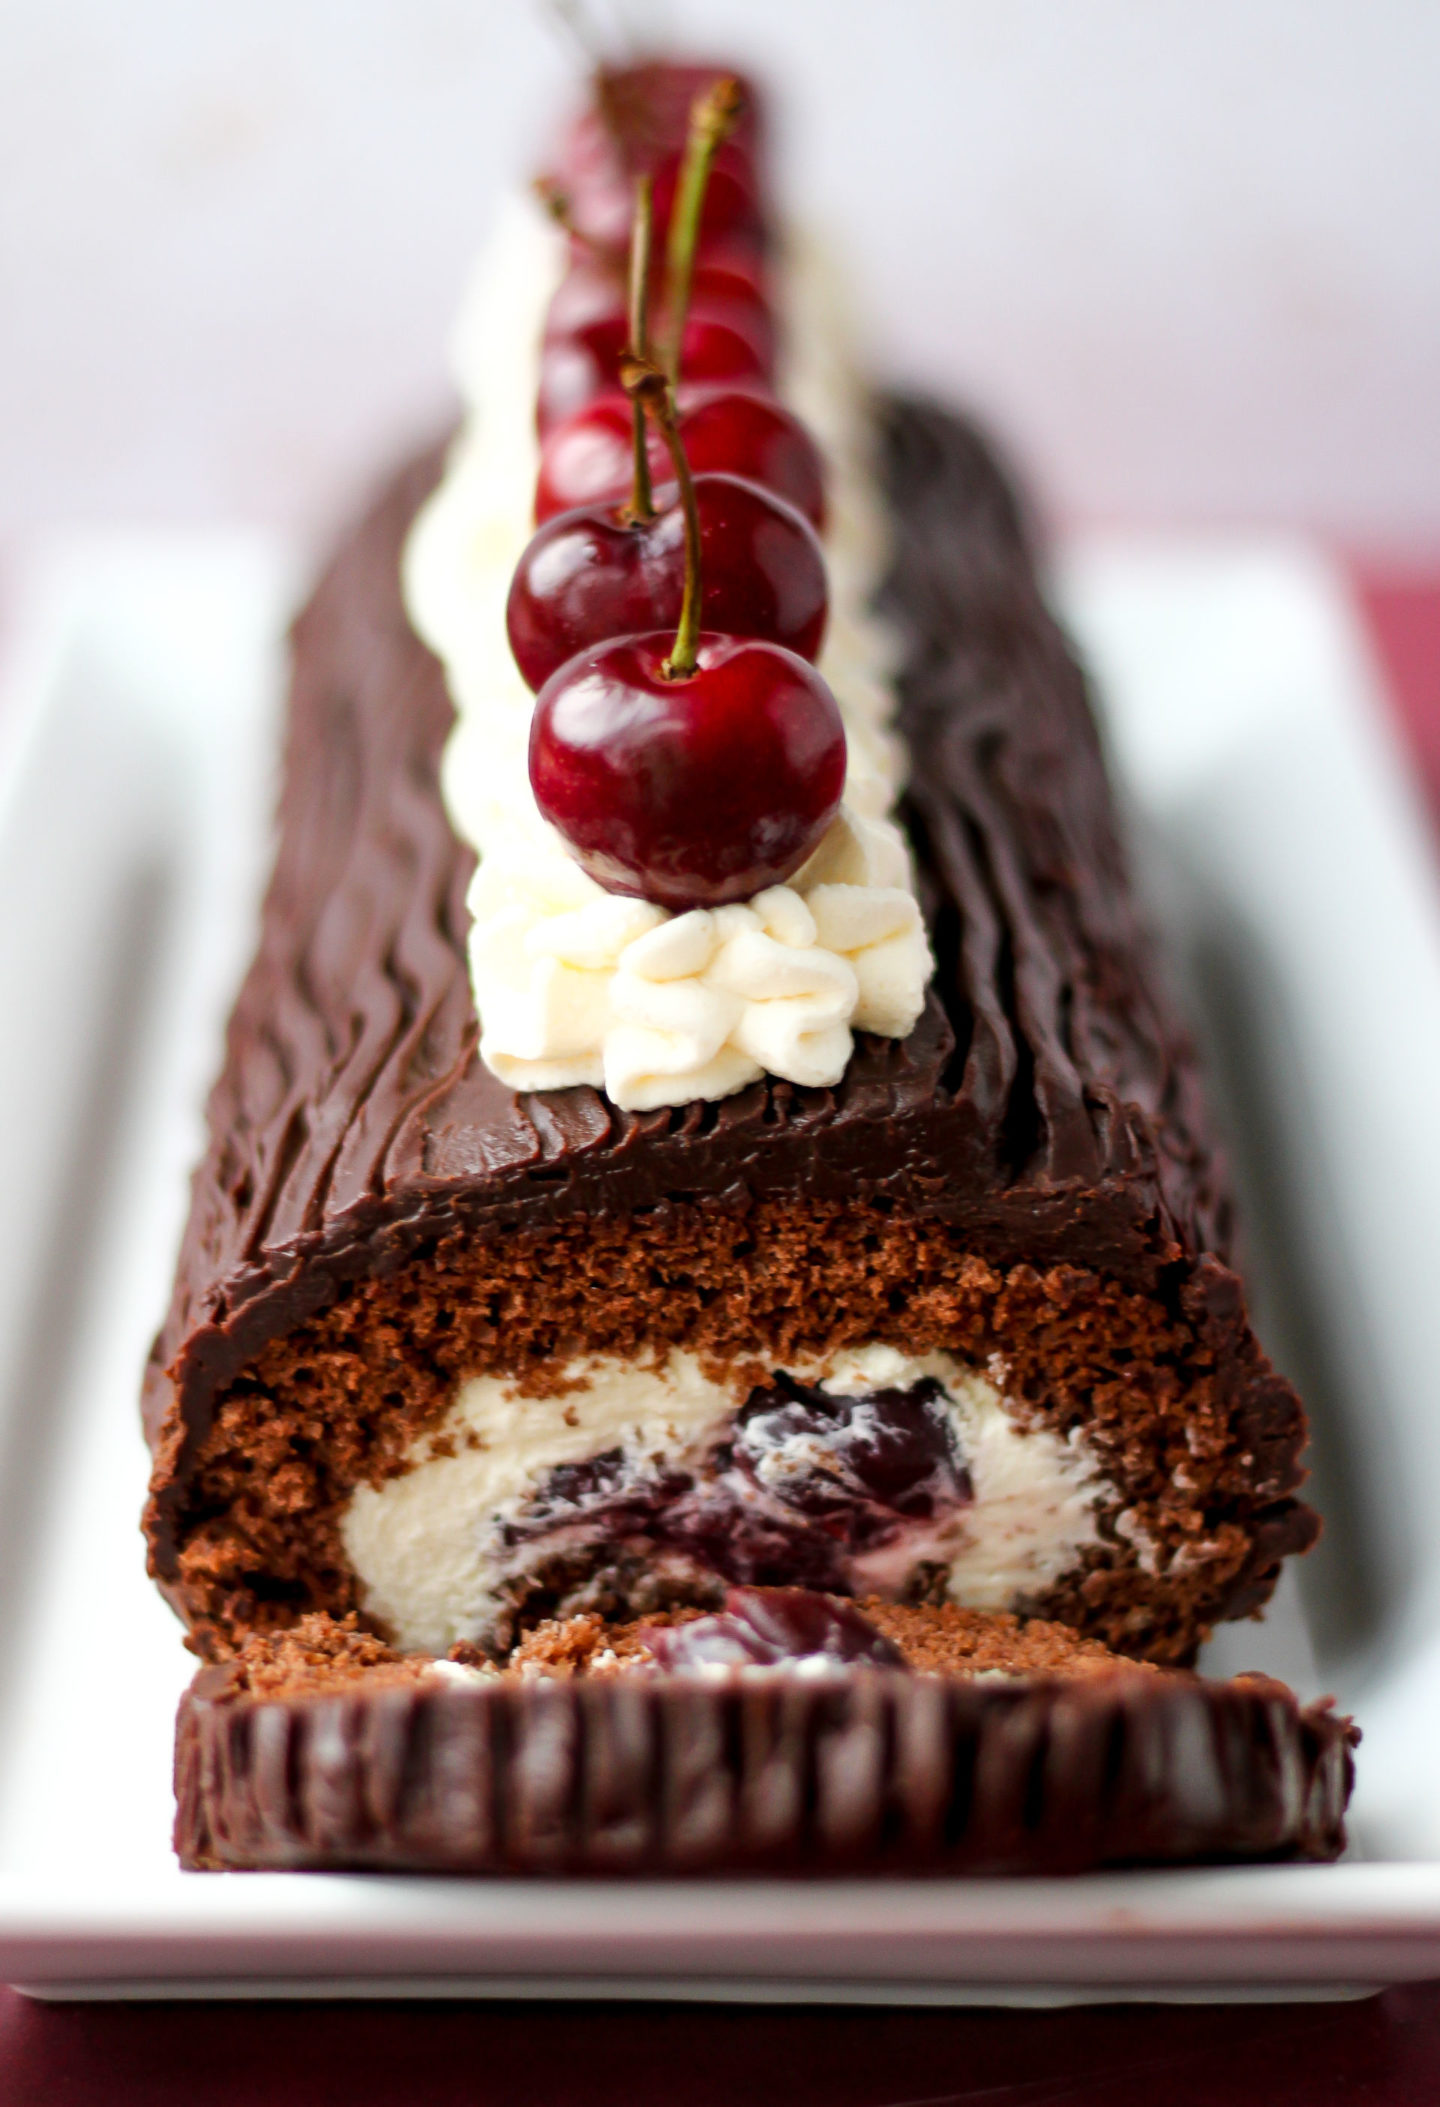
642	113
592	289
699	774
731	340
732	211
689	787
590	306
599	213
649	127
741	257
732	271
576	369
587	458
597	216
599	572
706	353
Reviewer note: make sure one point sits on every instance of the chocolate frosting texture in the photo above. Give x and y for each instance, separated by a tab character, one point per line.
872	1771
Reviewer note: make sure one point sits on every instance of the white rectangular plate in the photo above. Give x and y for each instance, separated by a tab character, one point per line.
1284	853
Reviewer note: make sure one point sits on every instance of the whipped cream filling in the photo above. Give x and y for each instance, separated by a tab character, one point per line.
577	985
436	1548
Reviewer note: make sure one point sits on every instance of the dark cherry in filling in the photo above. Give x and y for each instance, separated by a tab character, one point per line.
805	1482
860	1466
760	1627
602	1488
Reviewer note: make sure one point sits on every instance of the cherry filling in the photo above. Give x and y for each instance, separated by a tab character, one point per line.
607	1490
803	1484
860	1467
761	1627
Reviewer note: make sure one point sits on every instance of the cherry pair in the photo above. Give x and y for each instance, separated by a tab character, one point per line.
689	770
716	325
718	342
617	569
738	430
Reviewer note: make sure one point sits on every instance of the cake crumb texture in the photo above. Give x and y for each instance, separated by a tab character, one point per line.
316	1656
945	1639
320	1655
338	1401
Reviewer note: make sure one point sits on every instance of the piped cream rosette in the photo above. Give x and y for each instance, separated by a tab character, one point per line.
577	985
585	987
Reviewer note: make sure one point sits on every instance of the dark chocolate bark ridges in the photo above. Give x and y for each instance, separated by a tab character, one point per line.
875	1771
1045	1115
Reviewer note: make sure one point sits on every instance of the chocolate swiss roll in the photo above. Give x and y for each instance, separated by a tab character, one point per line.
558	1255
1000	1238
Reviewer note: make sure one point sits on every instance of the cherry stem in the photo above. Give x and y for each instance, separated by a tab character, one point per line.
642	497
713	116
646	383
557	204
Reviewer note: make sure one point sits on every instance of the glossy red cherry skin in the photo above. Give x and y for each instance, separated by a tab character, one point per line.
600	200
600	215
735	270
592	290
588	575
739	255
576	368
688	792
733	210
589	457
645	115
595	285
638	125
591	304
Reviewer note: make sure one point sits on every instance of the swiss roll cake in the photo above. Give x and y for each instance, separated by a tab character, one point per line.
647	1174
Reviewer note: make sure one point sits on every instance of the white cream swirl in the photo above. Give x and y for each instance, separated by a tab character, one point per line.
577	985
582	986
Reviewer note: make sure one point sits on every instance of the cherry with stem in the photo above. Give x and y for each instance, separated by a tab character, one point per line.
642	501
713	117
637	121
612	570
600	570
556	205
731	340
650	391
690	770
586	459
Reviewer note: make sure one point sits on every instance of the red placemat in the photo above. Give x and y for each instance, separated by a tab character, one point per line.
1382	2053
1403	612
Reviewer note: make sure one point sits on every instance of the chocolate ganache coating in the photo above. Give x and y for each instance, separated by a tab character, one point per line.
1047	1106
872	1771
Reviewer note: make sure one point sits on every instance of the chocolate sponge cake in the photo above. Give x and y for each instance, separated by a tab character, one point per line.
1024	1192
560	1251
